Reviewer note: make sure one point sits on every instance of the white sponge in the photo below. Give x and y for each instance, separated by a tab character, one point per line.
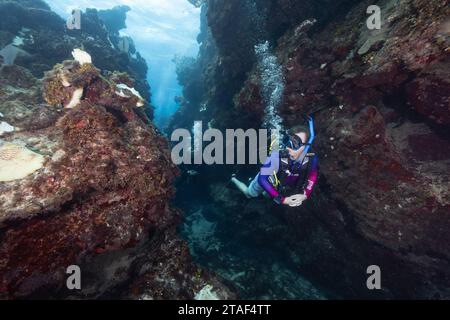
5	127
18	162
81	56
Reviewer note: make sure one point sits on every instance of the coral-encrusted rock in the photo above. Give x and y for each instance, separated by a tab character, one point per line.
104	186
102	190
67	83
429	93
21	103
173	275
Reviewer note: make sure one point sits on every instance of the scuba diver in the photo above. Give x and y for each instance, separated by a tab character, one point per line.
288	176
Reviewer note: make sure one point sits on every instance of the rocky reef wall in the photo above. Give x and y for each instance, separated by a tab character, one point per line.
383	196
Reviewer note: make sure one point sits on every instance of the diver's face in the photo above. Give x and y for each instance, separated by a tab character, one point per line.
295	154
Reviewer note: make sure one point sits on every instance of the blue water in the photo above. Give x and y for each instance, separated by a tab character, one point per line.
161	30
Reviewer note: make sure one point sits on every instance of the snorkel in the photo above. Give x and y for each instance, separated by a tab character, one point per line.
310	141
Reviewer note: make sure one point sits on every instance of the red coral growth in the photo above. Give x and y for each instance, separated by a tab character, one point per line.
429	94
106	189
120	179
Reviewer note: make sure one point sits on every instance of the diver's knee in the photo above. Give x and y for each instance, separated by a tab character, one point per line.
249	195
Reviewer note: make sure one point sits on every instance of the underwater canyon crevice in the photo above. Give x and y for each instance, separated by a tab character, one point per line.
384	197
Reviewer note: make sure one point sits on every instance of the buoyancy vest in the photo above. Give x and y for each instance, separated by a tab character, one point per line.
289	169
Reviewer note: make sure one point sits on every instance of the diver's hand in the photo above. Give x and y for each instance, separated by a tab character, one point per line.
295	200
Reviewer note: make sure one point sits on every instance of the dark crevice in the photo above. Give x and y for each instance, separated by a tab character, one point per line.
397	100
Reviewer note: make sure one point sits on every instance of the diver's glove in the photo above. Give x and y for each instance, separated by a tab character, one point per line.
295	200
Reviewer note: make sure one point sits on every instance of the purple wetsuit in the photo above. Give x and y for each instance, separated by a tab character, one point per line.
292	175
